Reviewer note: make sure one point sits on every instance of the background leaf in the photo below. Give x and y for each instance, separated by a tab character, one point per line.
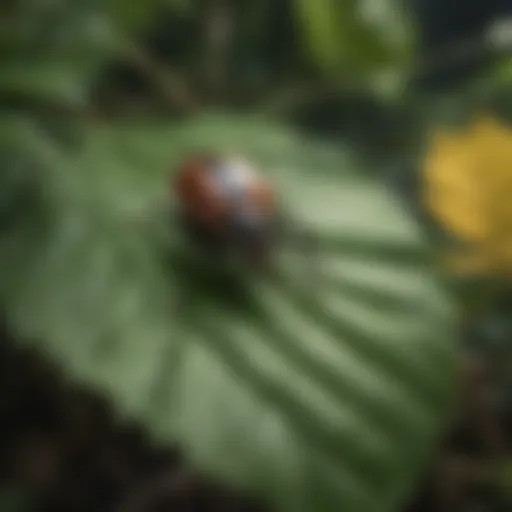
53	52
360	36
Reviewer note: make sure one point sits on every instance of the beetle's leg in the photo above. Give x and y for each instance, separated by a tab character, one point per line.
183	302
307	245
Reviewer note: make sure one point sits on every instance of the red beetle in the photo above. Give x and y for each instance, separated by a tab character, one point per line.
227	204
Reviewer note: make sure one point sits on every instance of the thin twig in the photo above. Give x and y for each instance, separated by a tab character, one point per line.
168	83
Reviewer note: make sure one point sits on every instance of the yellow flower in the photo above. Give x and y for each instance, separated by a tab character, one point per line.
468	188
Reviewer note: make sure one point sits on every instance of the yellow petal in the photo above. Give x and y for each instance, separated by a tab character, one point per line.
451	192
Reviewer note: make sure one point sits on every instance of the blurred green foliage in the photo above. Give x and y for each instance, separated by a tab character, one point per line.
318	390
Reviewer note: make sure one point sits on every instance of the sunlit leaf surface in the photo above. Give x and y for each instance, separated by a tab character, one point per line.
319	386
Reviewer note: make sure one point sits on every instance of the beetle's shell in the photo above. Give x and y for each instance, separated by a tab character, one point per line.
227	207
213	191
195	192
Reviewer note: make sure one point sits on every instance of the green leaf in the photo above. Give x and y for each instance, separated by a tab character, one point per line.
321	30
355	36
132	15
53	54
320	387
45	80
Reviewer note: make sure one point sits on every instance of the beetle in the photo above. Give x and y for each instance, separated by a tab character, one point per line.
227	206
